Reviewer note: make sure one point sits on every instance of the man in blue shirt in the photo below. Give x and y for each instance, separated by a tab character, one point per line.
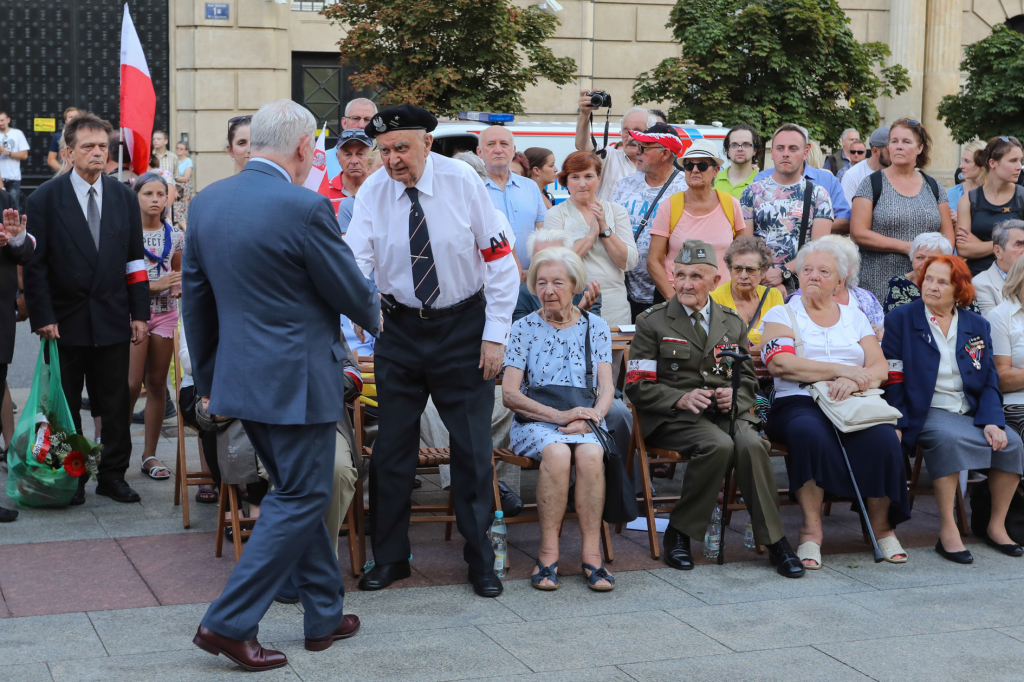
517	197
823	178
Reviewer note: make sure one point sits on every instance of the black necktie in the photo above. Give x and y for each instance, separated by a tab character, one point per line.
699	328
424	274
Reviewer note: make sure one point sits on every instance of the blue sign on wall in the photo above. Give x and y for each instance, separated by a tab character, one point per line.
217	10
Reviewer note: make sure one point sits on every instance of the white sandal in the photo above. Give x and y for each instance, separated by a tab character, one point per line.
152	471
809	551
890	547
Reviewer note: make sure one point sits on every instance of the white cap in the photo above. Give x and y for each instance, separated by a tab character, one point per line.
703	149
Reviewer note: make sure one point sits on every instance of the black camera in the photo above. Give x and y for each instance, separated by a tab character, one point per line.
600	99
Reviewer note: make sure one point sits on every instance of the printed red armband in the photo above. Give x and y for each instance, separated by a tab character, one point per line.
136	272
357	378
499	248
777	347
895	373
642	370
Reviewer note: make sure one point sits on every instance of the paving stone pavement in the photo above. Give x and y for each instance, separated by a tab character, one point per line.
109	592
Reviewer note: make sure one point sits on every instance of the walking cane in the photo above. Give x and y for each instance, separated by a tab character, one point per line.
733	361
860	500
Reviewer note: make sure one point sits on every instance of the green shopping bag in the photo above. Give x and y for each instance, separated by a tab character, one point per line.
45	446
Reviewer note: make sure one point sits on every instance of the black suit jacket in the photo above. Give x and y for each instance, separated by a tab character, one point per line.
69	283
10	258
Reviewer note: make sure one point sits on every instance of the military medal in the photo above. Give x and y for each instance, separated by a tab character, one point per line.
717	368
976	349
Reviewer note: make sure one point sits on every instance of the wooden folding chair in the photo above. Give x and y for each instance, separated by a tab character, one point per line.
916	489
229	494
526	463
183	478
777	450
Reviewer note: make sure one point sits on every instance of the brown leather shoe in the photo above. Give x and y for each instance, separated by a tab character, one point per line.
249	655
349	626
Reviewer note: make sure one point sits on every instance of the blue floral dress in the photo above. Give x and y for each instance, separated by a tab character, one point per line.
553	357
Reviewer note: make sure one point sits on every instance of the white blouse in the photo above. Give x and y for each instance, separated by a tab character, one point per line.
839	343
1007	320
949	385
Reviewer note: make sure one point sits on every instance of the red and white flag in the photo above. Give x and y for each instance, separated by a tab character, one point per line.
317	179
138	99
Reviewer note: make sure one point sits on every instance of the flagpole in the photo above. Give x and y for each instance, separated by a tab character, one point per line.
120	152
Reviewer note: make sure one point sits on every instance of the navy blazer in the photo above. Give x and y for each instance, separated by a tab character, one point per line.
908	340
265	276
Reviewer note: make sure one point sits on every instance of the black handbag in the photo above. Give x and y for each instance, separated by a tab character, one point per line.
565	398
620	504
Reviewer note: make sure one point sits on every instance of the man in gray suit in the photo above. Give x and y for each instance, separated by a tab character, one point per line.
265	276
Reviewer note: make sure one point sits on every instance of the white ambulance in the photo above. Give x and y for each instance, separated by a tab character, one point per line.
451	137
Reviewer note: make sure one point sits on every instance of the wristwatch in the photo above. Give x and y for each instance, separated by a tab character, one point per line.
604	235
786	274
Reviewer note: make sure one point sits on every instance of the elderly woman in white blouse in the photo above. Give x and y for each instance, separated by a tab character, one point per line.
601	232
1007	320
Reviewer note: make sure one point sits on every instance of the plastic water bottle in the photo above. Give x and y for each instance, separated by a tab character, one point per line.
713	535
499	535
748	537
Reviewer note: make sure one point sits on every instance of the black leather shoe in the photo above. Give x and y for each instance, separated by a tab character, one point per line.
487	585
677	550
7	515
962	557
382	575
117	490
79	497
787	563
1012	549
511	504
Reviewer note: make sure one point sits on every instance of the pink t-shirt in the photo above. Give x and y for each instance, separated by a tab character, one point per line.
713	228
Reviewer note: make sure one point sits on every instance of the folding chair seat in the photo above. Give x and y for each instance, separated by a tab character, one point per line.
183	478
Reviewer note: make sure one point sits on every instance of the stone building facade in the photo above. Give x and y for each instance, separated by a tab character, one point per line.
255	51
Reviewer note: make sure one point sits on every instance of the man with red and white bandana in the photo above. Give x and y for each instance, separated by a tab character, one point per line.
682	389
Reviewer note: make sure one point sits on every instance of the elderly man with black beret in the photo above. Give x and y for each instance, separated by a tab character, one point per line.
682	390
442	258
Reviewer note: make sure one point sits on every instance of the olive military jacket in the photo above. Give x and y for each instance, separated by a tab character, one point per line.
667	360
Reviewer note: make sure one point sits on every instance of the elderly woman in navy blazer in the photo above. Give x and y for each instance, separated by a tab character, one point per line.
944	381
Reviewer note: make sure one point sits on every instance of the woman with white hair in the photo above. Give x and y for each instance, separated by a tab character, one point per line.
902	288
561	345
814	338
1007	321
848	293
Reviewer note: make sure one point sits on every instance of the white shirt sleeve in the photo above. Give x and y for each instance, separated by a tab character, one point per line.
999	320
501	278
861	324
360	235
624	231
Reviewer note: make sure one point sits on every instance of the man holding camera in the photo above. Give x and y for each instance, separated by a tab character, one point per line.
618	162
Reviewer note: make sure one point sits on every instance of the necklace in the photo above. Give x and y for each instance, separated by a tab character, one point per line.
555	323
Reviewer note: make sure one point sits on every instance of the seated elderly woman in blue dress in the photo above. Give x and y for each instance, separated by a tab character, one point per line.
943	379
548	348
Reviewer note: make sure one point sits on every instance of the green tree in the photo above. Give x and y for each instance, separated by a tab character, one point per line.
993	101
449	55
770	62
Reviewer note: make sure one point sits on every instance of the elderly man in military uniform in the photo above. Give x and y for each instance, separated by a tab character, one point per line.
681	388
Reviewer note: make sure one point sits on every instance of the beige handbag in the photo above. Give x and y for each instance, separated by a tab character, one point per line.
860	411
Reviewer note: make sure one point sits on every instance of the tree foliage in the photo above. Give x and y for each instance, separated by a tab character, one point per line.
449	55
993	101
770	62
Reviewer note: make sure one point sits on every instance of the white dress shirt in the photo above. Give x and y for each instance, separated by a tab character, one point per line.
81	188
949	385
462	223
1007	320
273	165
706	313
852	179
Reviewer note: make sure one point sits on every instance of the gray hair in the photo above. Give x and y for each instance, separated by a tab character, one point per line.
567	257
847	132
931	241
548	235
473	160
852	256
359	100
279	126
831	248
1014	281
1001	232
651	118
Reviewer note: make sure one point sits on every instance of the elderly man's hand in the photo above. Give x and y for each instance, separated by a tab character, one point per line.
140	330
695	401
14	224
773	277
585	102
723	398
491	357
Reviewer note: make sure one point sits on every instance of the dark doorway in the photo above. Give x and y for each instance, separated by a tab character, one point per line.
66	53
321	84
1016	23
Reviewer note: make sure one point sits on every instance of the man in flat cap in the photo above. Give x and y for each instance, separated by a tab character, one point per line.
682	390
442	258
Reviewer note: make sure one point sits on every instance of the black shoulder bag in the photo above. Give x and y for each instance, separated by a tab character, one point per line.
650	209
565	398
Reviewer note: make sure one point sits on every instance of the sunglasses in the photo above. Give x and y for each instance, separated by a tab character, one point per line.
239	119
701	166
913	122
854	152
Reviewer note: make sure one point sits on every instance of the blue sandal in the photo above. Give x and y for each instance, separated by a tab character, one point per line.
545	572
596	575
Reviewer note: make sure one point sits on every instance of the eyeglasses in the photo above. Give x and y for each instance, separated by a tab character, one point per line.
739	270
702	166
641	149
740	145
360	119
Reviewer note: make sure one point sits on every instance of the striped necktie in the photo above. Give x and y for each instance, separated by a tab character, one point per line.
424	274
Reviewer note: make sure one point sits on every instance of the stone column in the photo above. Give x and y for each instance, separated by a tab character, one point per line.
941	78
907	44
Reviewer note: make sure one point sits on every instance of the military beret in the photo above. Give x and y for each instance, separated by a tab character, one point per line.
696	252
404	117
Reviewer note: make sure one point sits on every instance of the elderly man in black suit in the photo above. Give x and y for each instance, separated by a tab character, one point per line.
86	286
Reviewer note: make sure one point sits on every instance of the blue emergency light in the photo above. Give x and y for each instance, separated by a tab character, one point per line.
484	117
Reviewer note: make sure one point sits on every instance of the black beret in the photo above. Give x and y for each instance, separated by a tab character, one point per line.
404	117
